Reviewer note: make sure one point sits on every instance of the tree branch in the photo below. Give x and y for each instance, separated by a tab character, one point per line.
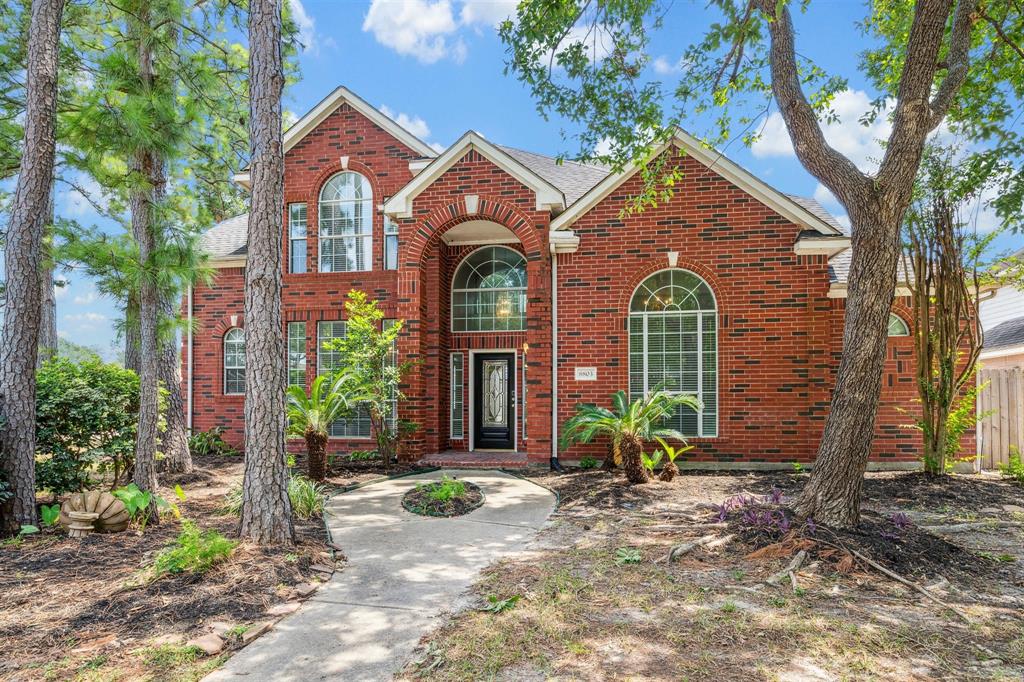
957	60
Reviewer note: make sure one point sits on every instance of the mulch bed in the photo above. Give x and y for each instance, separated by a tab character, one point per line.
418	501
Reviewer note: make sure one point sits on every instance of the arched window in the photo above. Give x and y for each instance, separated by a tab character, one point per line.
489	291
346	223
673	342
897	327
234	361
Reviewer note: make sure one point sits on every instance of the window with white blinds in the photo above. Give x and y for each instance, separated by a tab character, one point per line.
673	342
297	354
345	214
456	378
327	360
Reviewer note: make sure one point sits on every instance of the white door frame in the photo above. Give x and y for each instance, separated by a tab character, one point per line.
515	393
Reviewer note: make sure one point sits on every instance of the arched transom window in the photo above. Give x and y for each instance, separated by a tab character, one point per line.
346	223
234	361
673	342
897	327
489	291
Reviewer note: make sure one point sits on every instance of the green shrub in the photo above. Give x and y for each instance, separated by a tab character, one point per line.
1014	469
193	551
307	498
444	490
85	423
362	455
210	443
588	462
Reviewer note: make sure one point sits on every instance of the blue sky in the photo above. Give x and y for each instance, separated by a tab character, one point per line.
437	66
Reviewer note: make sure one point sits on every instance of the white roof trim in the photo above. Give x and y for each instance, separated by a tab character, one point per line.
839	290
563	241
228	262
1001	352
737	175
341	95
548	196
820	246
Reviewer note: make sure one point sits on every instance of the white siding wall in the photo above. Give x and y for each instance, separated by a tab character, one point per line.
1007	304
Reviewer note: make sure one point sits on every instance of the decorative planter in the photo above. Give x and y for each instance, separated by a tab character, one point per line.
110	513
81	523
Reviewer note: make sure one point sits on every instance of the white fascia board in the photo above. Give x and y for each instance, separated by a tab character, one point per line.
242	179
1001	352
827	246
719	163
839	290
563	241
341	95
228	262
548	196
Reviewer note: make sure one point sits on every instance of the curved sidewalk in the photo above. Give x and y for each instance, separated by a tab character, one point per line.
403	571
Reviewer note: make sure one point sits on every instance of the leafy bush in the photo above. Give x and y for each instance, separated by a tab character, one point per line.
362	455
444	490
307	498
193	551
588	462
651	462
1014	469
85	423
210	443
627	555
49	514
137	502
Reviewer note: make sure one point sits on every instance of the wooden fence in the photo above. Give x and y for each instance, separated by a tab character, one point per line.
1004	427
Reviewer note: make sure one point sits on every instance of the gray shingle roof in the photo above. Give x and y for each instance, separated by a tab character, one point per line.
816	209
572	178
839	267
227	238
1009	333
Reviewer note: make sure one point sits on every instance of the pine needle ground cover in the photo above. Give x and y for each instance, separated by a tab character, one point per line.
598	598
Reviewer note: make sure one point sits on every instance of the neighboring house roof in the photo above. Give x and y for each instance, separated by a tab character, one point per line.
227	239
549	196
839	267
573	178
1009	333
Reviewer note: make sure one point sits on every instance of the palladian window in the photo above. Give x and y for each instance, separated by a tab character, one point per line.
346	223
673	343
489	291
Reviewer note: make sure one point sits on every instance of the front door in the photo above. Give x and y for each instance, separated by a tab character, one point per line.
493	394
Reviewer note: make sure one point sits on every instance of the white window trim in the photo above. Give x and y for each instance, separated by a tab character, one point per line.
288	352
224	357
366	236
292	239
700	314
906	327
451	298
461	389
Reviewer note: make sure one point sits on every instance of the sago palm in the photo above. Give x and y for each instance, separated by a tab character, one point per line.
310	416
628	425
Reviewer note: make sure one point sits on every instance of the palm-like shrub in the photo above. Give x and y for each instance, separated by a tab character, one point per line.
628	425
310	416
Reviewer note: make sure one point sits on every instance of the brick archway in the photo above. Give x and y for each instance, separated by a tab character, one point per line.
442	219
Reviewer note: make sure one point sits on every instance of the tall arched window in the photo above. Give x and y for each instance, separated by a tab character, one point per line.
234	361
673	342
489	291
346	223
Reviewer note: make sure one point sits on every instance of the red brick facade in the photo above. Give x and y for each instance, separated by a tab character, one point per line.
779	332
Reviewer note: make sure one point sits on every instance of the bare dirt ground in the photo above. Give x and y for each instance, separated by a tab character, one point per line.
598	598
73	609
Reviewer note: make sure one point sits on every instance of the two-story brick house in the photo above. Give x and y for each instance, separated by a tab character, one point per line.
499	260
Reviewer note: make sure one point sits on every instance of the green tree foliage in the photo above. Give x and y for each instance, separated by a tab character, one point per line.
369	357
330	398
85	423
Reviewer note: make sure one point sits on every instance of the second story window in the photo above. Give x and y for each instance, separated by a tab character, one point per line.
346	223
296	238
390	244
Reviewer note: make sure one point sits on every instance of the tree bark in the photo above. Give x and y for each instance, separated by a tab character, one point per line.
148	166
174	439
48	305
131	333
316	450
19	339
266	509
631	462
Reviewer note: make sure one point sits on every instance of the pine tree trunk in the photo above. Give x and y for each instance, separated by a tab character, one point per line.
19	339
832	495
316	450
631	462
48	307
142	201
174	439
131	333
266	510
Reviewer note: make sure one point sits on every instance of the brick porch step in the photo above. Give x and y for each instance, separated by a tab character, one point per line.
476	460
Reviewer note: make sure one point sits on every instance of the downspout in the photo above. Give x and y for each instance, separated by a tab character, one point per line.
555	466
189	356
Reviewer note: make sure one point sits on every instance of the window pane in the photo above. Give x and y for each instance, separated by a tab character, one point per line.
456	429
234	361
358	425
346	224
297	249
489	292
391	252
296	353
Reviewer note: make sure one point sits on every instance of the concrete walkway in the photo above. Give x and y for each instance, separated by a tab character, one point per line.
403	572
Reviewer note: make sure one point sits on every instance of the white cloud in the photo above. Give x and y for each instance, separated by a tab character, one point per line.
487	12
663	67
416	28
86	298
859	143
437	147
844	220
604	146
61	286
311	41
86	317
414	124
824	197
980	215
79	201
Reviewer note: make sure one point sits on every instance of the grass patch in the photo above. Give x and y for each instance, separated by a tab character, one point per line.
193	551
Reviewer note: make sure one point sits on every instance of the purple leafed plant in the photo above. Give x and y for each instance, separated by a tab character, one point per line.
774	497
901	521
810	525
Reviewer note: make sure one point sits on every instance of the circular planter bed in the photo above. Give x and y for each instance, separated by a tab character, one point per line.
447	497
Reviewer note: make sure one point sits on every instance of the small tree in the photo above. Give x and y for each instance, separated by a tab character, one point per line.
941	257
310	417
628	425
369	356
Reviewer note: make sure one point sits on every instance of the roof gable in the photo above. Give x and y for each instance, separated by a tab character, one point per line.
548	196
783	204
